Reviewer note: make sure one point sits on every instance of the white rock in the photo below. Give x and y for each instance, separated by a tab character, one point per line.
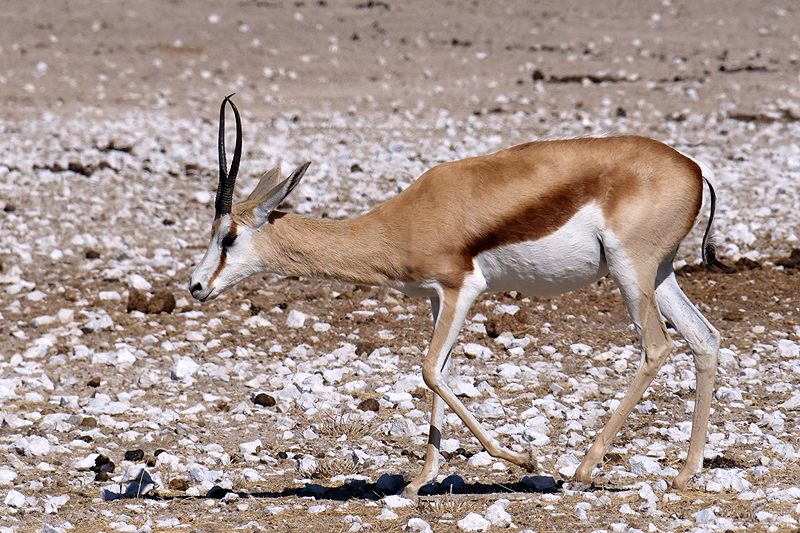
387	514
403	427
396	398
52	503
790	495
110	296
296	319
33	445
705	516
7	476
99	324
473	522
14	499
314	509
476	350
449	445
580	349
86	463
202	197
136	281
40	321
394	502
729	394
497	514
480	459
251	448
641	465
788	349
791	403
462	386
418	525
183	368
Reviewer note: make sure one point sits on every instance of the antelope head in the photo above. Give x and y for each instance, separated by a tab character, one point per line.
232	253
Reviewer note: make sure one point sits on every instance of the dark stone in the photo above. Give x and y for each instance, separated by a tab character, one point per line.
159	452
108	467
137	301
370	404
162	302
496	325
134	455
102	476
94	382
92	254
264	400
88	422
178	484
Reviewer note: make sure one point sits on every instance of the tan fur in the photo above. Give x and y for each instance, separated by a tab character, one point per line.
454	211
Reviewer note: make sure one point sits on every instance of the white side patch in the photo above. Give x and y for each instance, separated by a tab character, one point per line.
566	260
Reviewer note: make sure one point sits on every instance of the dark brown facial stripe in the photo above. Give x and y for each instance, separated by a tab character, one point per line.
223	256
540	219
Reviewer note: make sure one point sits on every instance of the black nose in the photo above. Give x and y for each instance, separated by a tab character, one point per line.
196	288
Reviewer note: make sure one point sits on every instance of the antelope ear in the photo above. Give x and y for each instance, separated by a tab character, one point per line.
267	183
268	201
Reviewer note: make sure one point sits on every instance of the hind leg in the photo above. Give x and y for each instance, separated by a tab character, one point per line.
637	287
704	341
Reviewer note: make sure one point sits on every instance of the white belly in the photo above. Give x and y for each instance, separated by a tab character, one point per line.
566	260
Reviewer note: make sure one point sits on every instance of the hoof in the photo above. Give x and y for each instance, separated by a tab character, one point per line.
410	493
531	462
680	482
583	476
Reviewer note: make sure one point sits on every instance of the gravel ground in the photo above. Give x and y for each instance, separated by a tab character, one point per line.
299	402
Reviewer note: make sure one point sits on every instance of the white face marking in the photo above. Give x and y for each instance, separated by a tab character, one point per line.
227	260
566	260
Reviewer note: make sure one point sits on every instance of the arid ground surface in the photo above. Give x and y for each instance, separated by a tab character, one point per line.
282	403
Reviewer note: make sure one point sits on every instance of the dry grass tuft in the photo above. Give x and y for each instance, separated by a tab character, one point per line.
348	424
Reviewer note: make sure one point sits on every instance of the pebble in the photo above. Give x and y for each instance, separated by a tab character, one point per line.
387	514
14	499
7	476
418	525
394	502
296	319
182	368
138	282
473	522
497	514
33	445
481	459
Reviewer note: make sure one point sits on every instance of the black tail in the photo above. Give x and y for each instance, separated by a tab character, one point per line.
708	251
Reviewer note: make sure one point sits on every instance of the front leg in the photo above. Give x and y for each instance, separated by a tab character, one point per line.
455	304
432	463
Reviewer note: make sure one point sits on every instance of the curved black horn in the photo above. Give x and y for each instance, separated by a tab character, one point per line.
227	180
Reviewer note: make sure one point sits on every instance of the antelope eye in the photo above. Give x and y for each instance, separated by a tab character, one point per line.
227	241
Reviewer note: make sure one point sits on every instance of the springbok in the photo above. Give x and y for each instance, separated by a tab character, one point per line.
542	218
